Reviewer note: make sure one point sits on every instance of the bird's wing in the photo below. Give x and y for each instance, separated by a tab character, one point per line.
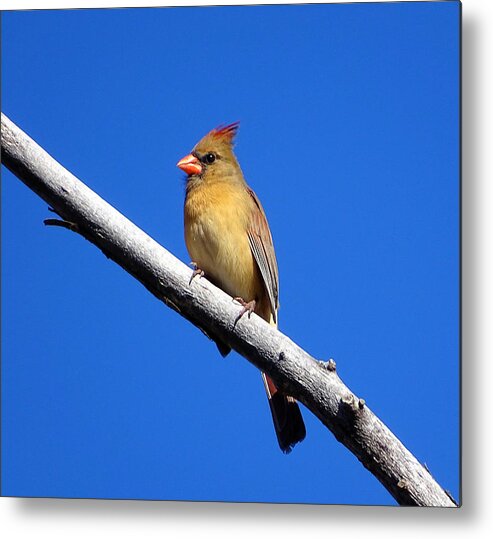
260	240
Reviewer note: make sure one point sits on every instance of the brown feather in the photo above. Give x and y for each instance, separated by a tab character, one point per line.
262	248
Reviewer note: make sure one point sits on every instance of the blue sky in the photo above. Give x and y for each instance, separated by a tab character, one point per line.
349	136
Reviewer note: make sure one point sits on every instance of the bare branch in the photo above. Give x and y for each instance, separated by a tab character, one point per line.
312	382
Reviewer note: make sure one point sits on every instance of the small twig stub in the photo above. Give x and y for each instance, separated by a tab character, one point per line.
74	227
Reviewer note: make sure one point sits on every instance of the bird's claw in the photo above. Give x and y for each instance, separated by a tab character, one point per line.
196	271
248	307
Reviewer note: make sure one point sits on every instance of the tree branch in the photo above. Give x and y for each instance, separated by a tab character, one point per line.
312	382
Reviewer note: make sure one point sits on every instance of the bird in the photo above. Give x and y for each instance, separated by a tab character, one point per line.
229	241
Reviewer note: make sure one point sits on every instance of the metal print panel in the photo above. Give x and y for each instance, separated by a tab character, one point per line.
331	210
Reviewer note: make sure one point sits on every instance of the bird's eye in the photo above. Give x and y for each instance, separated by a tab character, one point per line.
209	158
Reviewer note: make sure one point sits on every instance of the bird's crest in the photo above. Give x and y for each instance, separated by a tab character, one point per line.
225	133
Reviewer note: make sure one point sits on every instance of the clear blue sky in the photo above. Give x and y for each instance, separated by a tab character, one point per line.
350	137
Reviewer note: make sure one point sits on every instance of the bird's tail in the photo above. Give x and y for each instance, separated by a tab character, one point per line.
286	414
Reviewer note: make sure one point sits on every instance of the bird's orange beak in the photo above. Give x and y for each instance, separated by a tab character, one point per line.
190	164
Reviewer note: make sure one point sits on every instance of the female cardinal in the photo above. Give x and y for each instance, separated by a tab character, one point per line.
229	240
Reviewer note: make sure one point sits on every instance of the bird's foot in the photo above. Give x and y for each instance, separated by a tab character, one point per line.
196	271
248	307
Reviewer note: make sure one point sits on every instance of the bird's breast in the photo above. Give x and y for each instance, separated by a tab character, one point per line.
216	222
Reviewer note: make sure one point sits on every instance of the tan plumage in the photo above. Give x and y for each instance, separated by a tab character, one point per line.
228	237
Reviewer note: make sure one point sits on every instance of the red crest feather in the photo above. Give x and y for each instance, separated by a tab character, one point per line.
227	133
